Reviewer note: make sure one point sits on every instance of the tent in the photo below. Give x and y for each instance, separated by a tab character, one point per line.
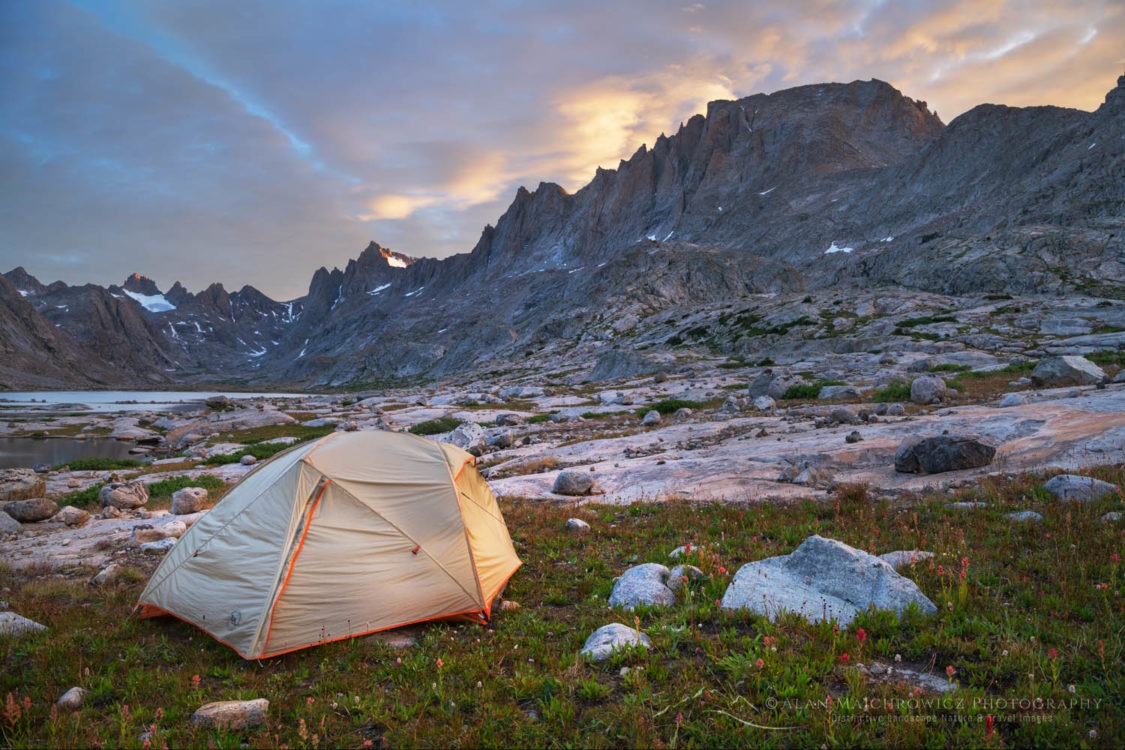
347	535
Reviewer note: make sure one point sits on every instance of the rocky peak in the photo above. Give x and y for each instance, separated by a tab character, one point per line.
139	284
1114	98
178	295
24	281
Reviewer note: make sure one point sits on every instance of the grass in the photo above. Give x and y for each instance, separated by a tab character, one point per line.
808	390
436	426
898	390
99	464
270	432
1029	619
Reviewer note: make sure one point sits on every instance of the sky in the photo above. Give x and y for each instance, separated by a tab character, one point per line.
253	141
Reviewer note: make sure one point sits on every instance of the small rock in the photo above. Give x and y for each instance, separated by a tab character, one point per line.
232	714
1067	487
110	511
682	413
15	625
509	606
651	418
764	403
188	500
968	505
678	552
71	516
73	484
9	525
1013	399
895	410
839	391
107	575
642	584
162	545
1112	517
1025	515
124	495
174	529
248	460
609	638
577	526
571	482
928	389
31	510
854	437
508	420
677	575
72	699
904	558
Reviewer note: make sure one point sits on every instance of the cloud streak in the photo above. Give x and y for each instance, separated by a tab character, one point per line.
251	142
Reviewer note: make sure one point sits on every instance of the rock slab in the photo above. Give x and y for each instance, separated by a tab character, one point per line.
232	714
823	579
1068	487
1067	370
15	625
609	638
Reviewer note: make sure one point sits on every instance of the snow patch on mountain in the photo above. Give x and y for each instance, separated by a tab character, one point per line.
833	248
151	302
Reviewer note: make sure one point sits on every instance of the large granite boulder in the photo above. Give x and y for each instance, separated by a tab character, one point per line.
928	389
124	495
30	511
1066	370
609	638
17	625
823	579
933	455
1067	487
469	436
642	585
188	500
572	482
20	484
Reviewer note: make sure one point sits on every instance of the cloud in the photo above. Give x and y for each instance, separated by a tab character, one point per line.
251	142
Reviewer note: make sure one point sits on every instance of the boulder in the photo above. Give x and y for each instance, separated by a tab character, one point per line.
1066	370
248	460
822	579
107	575
72	699
677	575
895	410
109	512
1013	399
9	525
839	391
15	625
71	516
218	402
933	455
764	403
469	436
509	420
904	558
161	545
503	440
928	389
642	584
609	638
188	500
652	417
1112	517
124	495
854	437
1068	487
20	484
572	482
1025	516
232	714
32	510
577	526
611	398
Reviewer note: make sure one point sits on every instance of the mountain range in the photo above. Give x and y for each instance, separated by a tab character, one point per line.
775	196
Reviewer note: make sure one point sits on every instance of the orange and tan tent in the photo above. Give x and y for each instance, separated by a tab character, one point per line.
353	533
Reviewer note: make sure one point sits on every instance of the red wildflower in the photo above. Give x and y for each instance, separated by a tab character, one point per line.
844	657
861	636
1052	653
988	726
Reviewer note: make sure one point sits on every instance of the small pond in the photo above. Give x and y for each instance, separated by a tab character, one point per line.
26	452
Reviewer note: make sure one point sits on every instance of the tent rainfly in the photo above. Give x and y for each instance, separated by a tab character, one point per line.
347	535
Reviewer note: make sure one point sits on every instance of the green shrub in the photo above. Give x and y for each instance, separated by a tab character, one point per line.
670	405
1107	357
260	451
896	391
435	426
950	367
100	464
802	390
166	487
538	418
79	498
